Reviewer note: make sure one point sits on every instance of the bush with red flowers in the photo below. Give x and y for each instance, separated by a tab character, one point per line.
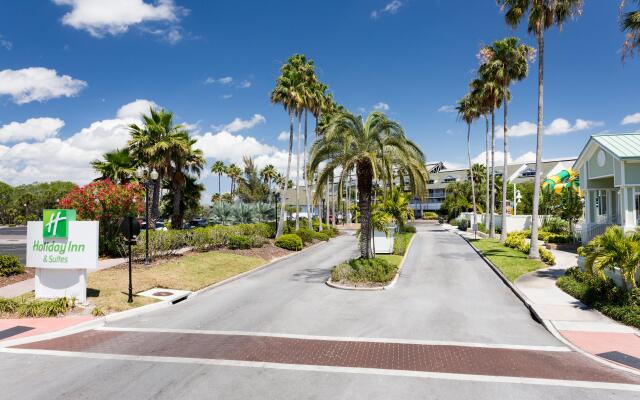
108	203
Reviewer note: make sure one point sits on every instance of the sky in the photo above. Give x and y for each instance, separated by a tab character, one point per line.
75	73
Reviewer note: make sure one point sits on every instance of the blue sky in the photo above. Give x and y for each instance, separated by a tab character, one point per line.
70	75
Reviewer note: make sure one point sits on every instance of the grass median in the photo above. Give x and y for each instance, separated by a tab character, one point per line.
107	289
513	263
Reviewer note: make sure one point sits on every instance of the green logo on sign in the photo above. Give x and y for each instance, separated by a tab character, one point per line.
55	223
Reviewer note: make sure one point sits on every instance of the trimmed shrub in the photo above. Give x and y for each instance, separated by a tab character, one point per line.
321	236
463	224
239	242
555	225
289	241
305	234
361	270
10	265
401	242
409	229
546	256
430	216
35	308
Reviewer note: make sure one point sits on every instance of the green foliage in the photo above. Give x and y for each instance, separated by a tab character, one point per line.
555	225
429	215
375	270
239	242
463	224
401	242
10	265
396	204
22	203
603	295
321	236
305	234
546	256
33	308
409	229
251	187
289	241
516	240
613	249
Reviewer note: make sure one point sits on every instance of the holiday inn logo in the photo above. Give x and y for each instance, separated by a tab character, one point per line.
55	223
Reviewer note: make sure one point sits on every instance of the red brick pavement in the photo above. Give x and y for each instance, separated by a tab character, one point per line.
394	356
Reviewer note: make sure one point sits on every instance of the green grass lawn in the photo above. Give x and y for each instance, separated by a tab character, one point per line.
513	263
107	289
392	259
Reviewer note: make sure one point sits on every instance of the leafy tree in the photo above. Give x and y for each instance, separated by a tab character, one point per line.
613	249
251	189
630	23
370	147
571	207
234	173
505	61
190	201
396	204
540	15
268	175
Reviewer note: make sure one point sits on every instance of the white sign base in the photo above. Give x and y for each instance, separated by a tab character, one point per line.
54	283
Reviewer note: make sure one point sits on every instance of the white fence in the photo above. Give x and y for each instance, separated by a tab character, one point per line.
514	222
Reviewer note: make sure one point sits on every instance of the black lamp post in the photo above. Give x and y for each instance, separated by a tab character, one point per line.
277	196
147	177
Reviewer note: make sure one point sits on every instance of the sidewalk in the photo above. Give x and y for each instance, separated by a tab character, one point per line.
583	327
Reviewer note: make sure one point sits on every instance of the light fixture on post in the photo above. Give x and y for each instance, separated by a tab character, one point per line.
146	177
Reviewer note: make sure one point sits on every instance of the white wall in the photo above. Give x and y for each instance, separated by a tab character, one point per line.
514	222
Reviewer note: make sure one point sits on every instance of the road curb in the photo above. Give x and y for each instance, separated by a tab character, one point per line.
388	286
547	324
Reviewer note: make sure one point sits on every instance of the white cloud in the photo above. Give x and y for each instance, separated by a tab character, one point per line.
37	129
37	84
136	108
381	106
524	128
447	109
5	43
283	136
66	159
631	119
228	81
226	96
239	124
244	84
99	17
558	126
390	8
527	157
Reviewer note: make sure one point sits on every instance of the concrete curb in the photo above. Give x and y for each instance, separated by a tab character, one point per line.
547	324
385	287
101	321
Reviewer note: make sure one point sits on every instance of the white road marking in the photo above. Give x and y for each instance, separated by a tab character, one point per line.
321	368
340	338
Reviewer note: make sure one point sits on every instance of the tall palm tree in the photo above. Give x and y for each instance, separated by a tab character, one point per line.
152	145
468	112
185	161
287	93
116	165
630	23
489	96
542	14
506	61
269	174
219	168
370	147
234	173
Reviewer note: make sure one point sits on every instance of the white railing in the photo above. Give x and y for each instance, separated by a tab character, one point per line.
592	230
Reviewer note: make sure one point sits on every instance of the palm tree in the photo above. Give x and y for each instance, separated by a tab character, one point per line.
396	204
287	93
506	61
219	168
234	173
185	161
269	174
468	112
216	198
630	23
543	14
370	147
489	96
613	249
116	165
152	144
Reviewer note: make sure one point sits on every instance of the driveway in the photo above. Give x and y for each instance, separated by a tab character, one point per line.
448	329
13	242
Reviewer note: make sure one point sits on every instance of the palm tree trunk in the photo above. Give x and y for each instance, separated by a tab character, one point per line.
486	170
176	215
155	202
365	184
473	189
505	142
492	201
220	188
334	198
328	199
283	207
533	252
306	178
298	173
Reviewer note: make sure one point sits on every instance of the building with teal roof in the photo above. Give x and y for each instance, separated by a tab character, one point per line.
609	167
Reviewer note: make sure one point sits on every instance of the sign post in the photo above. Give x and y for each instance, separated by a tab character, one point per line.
61	250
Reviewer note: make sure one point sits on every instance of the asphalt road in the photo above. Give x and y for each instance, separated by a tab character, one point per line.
445	293
8	236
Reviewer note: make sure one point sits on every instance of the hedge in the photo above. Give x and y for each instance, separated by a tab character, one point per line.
364	270
289	241
10	265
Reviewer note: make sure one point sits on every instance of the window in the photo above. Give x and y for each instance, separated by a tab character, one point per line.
601	202
431	181
450	179
528	173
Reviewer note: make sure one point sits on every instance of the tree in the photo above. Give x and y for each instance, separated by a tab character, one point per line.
457	199
542	14
268	175
116	165
396	204
505	61
468	111
613	249
630	23
251	189
219	168
190	202
234	173
369	147
185	161
571	207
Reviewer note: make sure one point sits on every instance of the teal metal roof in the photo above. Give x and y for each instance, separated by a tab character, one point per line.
623	146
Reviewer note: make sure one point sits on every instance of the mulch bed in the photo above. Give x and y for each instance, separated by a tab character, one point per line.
8	280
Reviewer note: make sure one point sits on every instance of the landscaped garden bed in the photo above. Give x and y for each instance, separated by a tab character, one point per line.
513	263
